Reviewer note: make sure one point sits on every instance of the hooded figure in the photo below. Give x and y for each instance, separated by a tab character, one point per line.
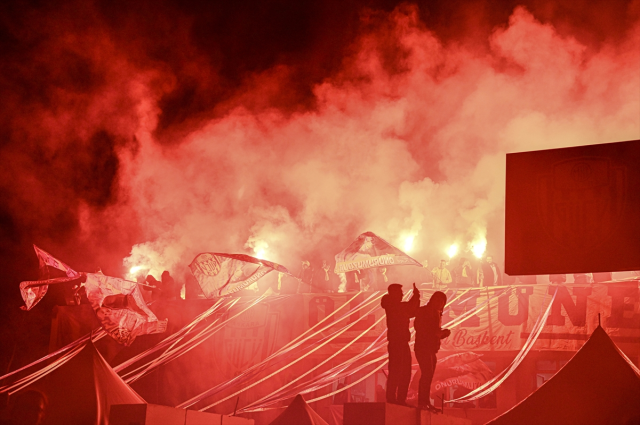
429	332
398	315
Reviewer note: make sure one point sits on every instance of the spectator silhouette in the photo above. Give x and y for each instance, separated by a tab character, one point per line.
489	273
398	315
170	290
429	332
29	408
156	291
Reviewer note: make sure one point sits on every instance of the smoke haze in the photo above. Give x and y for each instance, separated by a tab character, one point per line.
145	135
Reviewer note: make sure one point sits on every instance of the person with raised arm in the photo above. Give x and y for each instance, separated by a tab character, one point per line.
398	314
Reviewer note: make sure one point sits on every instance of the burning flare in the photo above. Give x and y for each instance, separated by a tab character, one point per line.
408	243
478	248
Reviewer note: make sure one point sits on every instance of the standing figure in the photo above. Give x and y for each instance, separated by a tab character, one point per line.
155	286
441	275
429	332
398	315
29	408
171	291
325	278
582	278
489	273
463	275
306	277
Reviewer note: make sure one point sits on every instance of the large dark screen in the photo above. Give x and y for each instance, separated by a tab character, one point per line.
573	210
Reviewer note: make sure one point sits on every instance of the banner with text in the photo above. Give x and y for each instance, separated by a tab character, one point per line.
223	274
370	251
503	320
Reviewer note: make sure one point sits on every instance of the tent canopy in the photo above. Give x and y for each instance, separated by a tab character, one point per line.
82	390
299	413
599	385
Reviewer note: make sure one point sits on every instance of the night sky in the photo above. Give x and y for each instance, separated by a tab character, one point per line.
154	130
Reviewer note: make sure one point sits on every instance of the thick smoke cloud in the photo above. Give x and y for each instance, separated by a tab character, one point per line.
153	133
150	131
407	139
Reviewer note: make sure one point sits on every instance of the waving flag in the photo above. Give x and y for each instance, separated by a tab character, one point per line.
463	369
118	303
33	291
120	308
369	251
223	274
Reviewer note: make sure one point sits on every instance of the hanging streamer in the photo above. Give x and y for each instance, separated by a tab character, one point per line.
350	362
168	340
189	345
495	382
295	343
284	367
93	335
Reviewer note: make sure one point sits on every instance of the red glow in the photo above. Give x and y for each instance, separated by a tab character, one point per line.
406	136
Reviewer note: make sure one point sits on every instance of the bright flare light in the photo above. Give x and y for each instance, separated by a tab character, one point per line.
408	243
134	269
260	254
452	251
478	248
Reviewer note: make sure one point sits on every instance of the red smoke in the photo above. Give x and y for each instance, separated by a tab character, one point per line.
151	131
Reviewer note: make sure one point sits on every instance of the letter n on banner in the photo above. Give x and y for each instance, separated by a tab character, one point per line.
461	305
577	311
522	314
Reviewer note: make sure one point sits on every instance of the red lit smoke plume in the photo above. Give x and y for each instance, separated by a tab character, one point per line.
149	135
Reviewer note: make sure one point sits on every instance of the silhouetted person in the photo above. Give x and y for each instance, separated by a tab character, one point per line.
441	275
156	291
398	315
306	278
581	278
29	408
489	273
324	278
429	332
463	275
170	290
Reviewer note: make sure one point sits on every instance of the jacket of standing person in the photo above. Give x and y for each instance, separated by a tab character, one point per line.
429	332
170	290
463	275
489	273
306	278
441	275
398	315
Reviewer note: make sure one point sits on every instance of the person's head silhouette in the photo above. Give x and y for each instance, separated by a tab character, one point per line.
29	408
438	300
395	291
